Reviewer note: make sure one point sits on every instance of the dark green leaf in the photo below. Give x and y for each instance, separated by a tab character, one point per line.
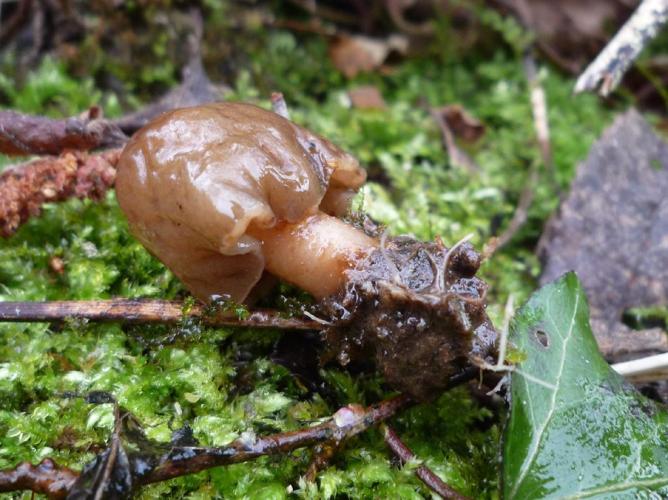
577	429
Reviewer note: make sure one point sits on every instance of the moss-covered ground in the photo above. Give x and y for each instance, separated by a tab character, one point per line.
222	382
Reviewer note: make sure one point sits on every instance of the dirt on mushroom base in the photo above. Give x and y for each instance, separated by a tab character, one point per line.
418	310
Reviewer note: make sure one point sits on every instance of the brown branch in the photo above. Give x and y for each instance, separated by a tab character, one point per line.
142	311
26	135
46	477
426	475
25	188
347	422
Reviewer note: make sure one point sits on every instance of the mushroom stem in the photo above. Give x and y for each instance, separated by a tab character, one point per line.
314	253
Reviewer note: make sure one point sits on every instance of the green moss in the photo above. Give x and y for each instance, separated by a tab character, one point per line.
50	91
195	379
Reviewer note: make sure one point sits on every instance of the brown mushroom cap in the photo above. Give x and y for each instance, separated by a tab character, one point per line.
193	182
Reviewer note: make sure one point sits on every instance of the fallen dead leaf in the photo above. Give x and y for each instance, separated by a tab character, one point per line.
464	125
366	97
612	229
457	156
356	54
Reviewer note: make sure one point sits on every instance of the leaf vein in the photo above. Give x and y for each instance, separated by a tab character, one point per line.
538	436
652	483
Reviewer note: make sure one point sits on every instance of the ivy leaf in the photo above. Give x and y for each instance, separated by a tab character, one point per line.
576	428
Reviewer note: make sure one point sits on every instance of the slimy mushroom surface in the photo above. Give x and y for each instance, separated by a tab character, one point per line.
213	191
222	193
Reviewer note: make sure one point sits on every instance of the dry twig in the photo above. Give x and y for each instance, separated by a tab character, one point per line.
142	311
426	475
25	135
56	482
606	71
647	369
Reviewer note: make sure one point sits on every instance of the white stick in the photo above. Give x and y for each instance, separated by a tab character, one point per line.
651	365
608	68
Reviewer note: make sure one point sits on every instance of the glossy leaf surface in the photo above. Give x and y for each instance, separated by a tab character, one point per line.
576	428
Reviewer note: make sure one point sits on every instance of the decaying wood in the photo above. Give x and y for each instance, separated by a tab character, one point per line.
25	188
143	311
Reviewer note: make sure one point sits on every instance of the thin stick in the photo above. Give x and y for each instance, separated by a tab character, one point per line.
47	478
349	421
606	71
37	135
426	475
345	423
539	112
503	338
141	311
648	369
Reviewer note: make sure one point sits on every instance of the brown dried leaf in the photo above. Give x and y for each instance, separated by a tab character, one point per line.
458	157
355	54
613	231
366	97
464	125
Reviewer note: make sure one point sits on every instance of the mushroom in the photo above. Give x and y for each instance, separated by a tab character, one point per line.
221	192
224	192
